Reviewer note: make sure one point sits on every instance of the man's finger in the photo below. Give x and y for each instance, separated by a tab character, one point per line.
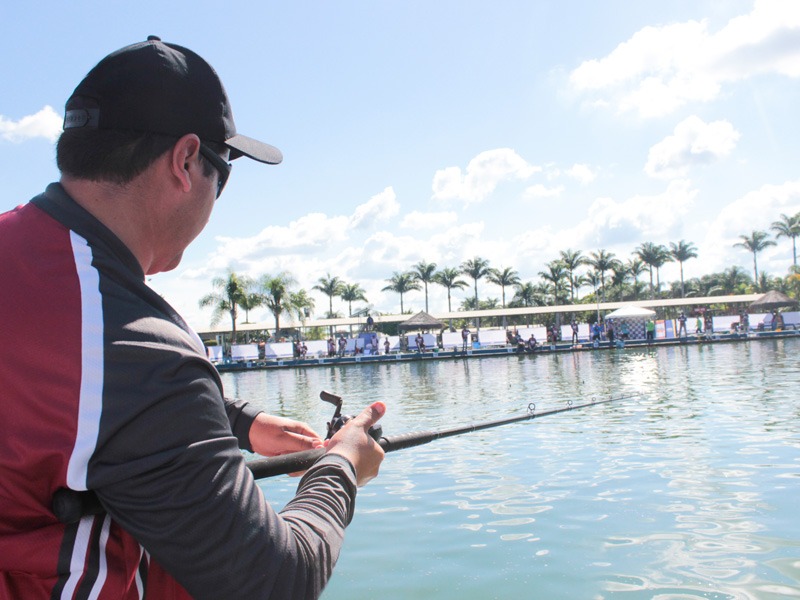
370	415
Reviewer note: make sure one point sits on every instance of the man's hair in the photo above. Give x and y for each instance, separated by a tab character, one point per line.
113	156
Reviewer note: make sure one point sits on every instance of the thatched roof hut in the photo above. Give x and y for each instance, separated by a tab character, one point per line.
421	320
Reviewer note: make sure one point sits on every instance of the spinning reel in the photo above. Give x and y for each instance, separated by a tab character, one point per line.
338	420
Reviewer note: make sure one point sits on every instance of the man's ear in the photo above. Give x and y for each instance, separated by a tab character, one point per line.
185	161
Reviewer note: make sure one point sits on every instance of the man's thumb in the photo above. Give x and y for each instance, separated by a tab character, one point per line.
371	414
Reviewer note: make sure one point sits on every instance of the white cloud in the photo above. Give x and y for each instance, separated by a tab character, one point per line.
381	207
582	173
428	220
310	233
637	219
660	69
756	210
540	191
693	142
483	174
44	124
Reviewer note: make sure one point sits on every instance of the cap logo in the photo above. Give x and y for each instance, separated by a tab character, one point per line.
82	117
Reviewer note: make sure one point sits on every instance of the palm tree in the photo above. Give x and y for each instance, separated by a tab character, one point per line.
755	243
635	267
401	283
619	277
556	274
506	277
250	297
302	304
572	259
476	268
526	295
330	286
681	252
352	292
448	278
649	255
225	298
662	257
424	272
277	296
732	280
788	227
602	261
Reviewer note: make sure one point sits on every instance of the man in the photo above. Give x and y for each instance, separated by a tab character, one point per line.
574	326
650	330
682	324
464	338
121	400
420	341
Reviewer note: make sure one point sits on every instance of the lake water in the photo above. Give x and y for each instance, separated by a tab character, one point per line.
689	490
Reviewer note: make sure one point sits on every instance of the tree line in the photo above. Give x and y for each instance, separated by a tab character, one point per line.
609	277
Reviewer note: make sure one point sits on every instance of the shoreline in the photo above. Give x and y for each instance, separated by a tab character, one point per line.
456	354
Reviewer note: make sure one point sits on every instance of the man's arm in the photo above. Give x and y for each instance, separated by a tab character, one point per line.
172	476
268	435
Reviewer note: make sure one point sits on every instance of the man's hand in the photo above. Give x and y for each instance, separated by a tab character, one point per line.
273	436
354	443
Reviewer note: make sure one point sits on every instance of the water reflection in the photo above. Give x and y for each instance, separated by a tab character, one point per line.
689	490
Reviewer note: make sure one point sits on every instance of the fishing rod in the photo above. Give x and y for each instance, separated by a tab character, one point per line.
300	461
69	506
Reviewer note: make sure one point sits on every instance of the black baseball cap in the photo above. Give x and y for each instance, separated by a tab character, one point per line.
155	87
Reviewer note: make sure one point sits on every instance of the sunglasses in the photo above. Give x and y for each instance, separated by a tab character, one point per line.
219	163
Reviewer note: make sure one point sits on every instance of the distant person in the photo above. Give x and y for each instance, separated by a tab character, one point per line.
331	347
624	332
610	332
342	345
698	326
574	326
386	345
464	338
682	325
532	343
650	330
597	332
420	341
370	322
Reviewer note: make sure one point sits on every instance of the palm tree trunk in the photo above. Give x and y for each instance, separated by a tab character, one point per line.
683	292
755	269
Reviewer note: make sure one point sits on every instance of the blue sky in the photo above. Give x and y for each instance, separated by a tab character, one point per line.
440	131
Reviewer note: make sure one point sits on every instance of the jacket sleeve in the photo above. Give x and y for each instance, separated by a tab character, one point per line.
241	416
169	470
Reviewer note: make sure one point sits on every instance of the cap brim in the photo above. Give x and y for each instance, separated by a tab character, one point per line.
241	145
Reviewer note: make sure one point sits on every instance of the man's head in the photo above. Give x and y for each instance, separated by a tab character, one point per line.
137	102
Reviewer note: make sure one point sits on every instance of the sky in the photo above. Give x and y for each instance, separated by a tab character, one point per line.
439	131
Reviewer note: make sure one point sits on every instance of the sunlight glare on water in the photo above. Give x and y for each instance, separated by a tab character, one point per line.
687	490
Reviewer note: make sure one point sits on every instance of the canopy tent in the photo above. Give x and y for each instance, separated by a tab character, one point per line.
630	312
421	320
772	300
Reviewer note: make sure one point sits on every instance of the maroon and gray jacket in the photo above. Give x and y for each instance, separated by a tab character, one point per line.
105	388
